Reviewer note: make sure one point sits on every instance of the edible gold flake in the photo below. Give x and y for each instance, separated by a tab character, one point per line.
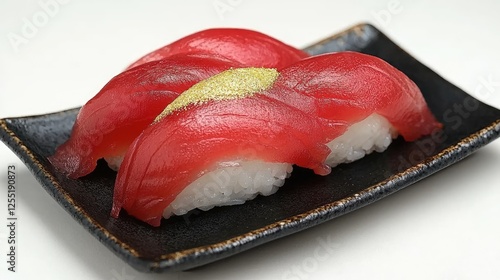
230	84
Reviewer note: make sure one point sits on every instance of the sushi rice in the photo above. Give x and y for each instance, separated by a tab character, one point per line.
230	185
374	133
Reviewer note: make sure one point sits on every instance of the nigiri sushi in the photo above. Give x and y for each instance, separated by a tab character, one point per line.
248	47
237	134
110	121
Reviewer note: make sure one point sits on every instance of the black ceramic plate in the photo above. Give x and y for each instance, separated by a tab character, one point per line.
306	200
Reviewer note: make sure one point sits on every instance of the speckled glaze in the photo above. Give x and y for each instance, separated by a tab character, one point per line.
306	199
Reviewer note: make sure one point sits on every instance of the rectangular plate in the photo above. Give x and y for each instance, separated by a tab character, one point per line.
198	238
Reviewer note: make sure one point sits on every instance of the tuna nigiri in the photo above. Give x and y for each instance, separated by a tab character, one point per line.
248	47
110	121
249	126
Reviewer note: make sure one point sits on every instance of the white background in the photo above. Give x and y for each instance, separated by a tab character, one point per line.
444	227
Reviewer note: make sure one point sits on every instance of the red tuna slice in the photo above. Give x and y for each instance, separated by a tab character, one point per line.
174	152
350	86
110	121
248	47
